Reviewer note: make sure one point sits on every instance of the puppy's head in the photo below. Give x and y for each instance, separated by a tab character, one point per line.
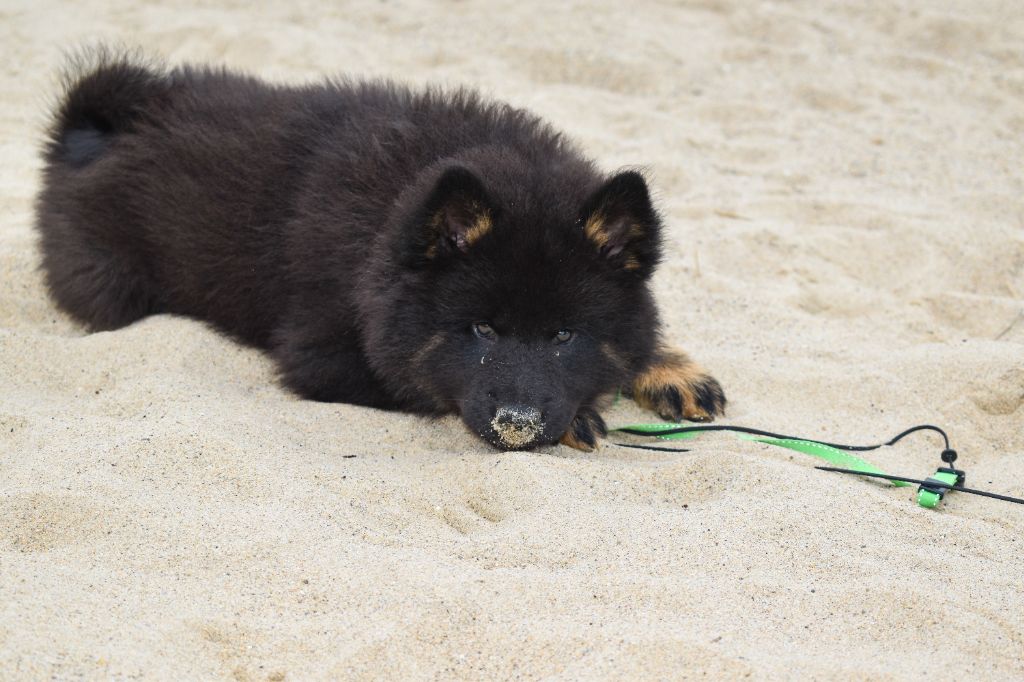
525	299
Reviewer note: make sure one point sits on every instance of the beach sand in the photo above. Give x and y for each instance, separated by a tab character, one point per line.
845	206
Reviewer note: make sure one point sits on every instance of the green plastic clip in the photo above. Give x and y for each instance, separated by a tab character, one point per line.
930	496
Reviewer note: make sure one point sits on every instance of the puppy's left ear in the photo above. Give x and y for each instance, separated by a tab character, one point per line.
458	213
620	221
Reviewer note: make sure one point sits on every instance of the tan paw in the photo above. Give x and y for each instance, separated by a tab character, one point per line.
677	388
584	431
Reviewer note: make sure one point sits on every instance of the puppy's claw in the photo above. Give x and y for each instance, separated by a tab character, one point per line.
710	397
676	389
673	404
584	431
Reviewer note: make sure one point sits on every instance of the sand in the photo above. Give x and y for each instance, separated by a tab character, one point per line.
843	188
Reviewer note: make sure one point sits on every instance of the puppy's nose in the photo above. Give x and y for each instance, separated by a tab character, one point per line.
517	426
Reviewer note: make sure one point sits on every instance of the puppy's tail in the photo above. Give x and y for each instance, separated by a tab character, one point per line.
105	95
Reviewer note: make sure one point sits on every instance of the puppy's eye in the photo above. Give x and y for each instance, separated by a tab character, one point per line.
563	336
484	331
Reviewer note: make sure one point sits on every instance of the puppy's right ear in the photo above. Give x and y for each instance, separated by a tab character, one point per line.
456	214
622	225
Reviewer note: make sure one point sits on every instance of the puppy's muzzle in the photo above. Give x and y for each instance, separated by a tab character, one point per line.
517	426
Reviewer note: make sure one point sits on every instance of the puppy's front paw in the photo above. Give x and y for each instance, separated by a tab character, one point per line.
677	388
586	427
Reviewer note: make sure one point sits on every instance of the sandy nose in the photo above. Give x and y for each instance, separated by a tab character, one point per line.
517	425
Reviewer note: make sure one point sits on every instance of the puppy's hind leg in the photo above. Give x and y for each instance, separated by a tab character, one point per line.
97	261
677	388
99	285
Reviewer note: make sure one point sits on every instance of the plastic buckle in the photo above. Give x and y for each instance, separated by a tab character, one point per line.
929	496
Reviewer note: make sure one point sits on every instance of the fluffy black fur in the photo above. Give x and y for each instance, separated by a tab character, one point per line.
423	251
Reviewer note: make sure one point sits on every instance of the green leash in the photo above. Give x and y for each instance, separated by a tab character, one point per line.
826	452
930	491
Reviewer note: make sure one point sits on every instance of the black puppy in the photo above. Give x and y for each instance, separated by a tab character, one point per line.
421	251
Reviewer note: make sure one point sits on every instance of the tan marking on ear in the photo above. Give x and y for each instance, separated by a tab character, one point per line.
596	232
673	370
479	228
482	224
436	234
594	229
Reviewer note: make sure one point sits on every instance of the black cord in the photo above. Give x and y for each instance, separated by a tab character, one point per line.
759	432
650	447
929	484
948	454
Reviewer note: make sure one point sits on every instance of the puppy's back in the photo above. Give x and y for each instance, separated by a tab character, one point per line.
167	192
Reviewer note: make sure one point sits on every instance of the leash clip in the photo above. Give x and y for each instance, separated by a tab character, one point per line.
929	496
